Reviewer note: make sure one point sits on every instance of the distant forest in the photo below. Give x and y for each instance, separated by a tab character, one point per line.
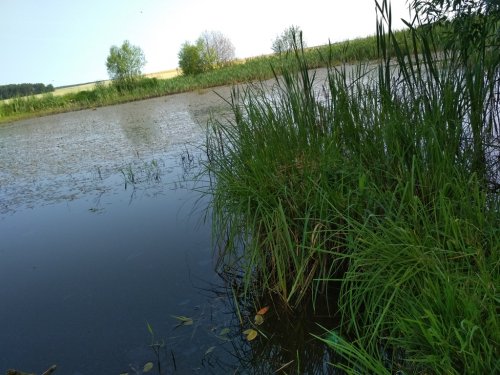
23	89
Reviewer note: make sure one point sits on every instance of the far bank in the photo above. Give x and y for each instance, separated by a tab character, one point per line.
104	93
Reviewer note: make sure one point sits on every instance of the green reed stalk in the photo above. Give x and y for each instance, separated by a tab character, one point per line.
385	181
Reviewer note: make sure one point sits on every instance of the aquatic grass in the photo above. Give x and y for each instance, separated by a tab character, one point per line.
423	281
359	361
135	173
382	180
271	166
422	275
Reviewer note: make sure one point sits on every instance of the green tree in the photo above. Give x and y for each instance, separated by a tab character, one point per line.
433	10
292	36
191	59
23	89
125	63
211	50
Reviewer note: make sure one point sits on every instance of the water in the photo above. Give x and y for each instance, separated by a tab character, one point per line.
102	234
88	258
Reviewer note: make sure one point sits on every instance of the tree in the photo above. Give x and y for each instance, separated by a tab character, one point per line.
433	10
473	23
292	36
125	63
211	50
218	49
190	59
471	36
23	89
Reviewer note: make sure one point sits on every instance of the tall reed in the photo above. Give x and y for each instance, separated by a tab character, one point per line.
383	180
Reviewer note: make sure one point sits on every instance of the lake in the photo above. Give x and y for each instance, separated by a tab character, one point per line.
106	249
89	257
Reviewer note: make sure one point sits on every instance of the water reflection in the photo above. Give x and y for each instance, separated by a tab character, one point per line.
145	129
140	133
84	262
102	233
213	341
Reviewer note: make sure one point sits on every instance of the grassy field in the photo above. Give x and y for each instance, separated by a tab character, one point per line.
171	82
73	89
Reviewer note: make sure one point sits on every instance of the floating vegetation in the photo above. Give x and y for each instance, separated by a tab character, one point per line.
221	344
250	334
183	320
148	367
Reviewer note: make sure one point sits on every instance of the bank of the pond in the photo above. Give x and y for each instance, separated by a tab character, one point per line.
252	69
374	193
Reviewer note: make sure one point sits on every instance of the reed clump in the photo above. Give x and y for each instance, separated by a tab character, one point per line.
376	192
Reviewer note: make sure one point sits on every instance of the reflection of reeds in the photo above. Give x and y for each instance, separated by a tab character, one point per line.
381	182
284	344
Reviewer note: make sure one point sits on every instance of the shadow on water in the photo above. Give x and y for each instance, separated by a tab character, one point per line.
212	338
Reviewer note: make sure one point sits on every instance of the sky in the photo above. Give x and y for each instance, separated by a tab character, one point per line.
65	42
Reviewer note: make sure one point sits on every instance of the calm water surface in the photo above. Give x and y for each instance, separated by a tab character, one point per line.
102	233
89	254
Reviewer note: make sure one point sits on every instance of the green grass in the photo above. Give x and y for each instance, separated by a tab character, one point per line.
384	182
253	69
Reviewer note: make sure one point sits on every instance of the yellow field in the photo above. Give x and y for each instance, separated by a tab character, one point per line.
89	86
164	74
67	90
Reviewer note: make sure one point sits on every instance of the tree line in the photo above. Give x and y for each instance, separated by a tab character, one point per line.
23	89
212	50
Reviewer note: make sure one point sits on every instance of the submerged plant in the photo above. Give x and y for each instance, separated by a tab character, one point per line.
128	175
147	172
156	346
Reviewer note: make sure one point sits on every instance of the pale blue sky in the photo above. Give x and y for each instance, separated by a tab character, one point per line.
63	42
